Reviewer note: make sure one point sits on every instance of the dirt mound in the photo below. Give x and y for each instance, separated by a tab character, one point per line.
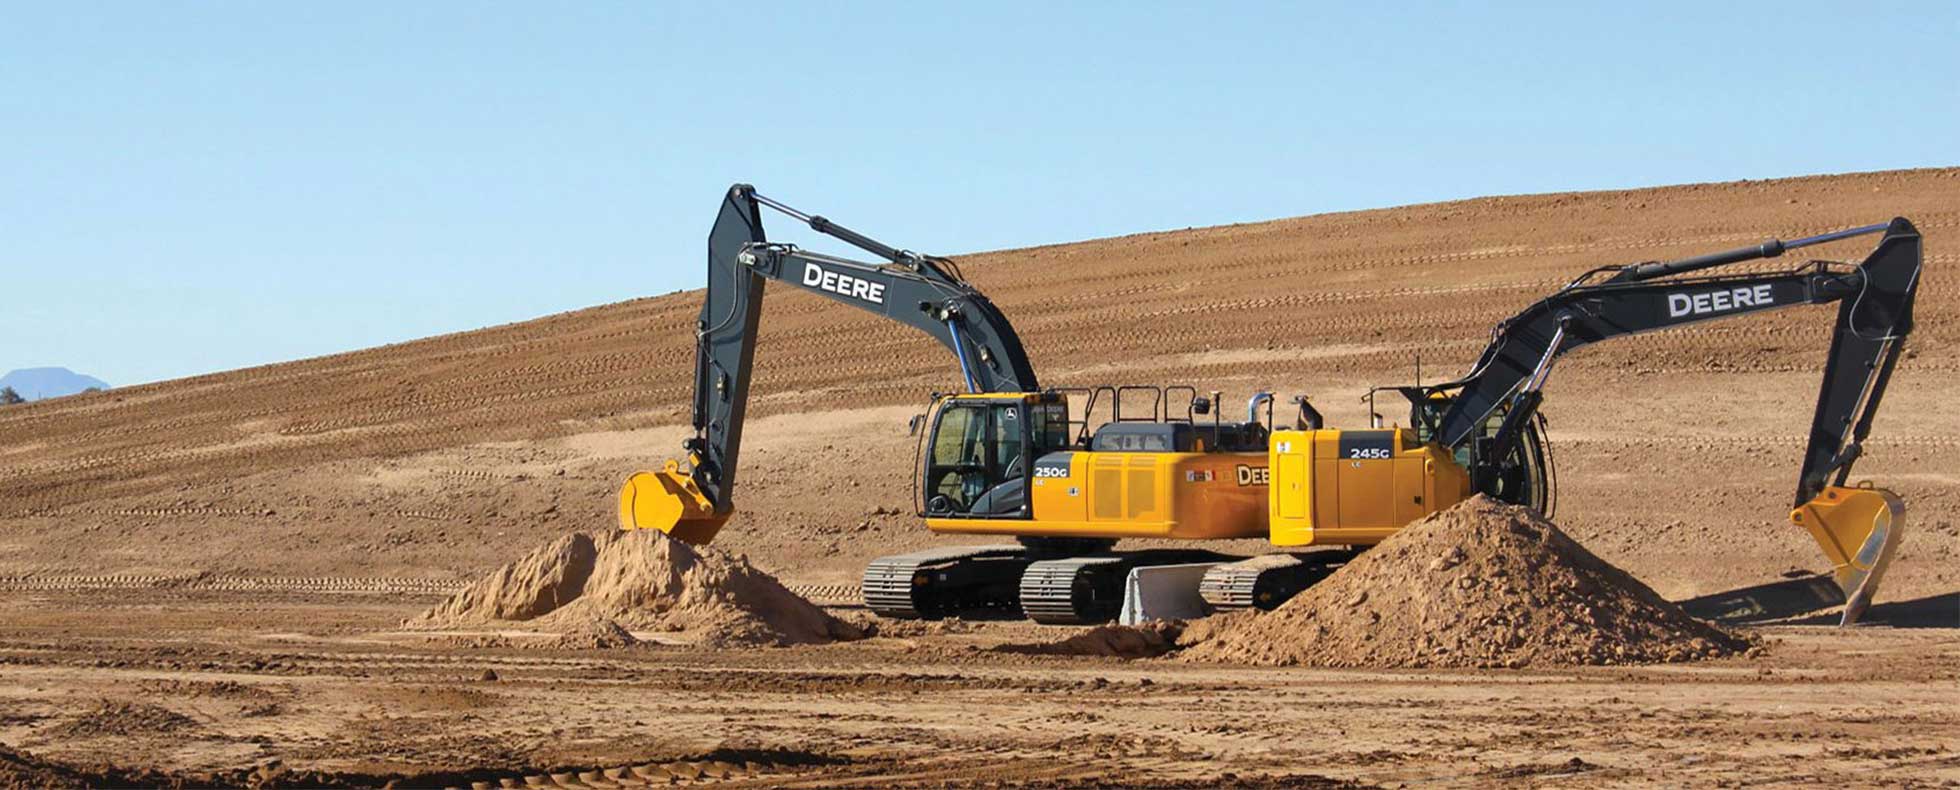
220	689
124	719
1117	641
596	634
640	579
20	771
549	577
1482	584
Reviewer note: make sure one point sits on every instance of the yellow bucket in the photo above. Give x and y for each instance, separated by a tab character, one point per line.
669	501
1858	529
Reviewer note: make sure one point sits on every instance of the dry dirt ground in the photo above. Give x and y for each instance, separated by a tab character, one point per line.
207	575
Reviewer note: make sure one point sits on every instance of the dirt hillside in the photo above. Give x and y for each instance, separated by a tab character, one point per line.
1482	584
433	459
207	578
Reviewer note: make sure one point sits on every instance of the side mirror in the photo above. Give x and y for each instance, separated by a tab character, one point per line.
1201	405
912	425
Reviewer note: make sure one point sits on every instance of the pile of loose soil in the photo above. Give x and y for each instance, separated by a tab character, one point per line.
25	771
641	579
598	633
22	771
221	689
1483	584
885	627
113	718
1116	641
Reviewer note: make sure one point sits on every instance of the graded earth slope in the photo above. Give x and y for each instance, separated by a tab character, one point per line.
208	577
432	459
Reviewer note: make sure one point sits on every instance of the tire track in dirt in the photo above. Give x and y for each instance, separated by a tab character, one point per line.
228	583
830	594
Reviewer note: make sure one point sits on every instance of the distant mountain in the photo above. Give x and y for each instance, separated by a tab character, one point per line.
38	383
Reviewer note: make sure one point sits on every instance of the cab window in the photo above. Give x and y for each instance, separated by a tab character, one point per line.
1009	460
960	438
1049	427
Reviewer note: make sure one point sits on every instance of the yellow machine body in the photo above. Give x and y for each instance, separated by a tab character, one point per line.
1191	496
669	501
1308	488
1356	487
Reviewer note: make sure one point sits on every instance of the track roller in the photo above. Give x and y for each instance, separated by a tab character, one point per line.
1089	590
1266	581
940	582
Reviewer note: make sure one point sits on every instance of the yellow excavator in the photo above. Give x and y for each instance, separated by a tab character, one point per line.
1070	471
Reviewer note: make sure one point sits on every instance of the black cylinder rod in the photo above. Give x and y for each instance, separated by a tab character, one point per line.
1768	249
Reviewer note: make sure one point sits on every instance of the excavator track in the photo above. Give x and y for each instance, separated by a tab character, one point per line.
1266	581
939	582
1088	590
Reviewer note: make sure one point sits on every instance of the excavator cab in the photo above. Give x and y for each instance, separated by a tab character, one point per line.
979	456
1522	476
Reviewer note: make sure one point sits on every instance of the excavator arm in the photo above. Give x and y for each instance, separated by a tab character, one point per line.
922	291
1856	527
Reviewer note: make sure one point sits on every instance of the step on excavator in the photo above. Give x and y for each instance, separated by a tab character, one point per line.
1068	472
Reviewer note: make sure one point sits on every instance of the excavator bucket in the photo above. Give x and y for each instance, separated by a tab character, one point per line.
1858	529
669	501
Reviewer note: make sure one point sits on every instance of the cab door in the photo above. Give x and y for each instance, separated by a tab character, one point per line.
978	464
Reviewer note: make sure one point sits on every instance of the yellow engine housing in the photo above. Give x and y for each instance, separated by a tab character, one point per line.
1356	487
1310	488
1192	496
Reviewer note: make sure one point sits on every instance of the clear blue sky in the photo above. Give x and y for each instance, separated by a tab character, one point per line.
190	187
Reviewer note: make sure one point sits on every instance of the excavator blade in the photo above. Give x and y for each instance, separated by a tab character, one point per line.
669	501
1858	529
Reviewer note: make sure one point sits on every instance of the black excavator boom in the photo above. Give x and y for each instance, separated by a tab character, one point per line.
1874	314
1857	527
921	291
